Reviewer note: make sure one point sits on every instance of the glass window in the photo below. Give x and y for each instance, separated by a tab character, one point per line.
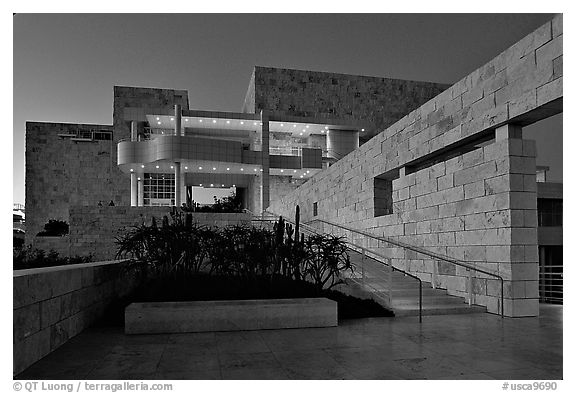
159	189
549	212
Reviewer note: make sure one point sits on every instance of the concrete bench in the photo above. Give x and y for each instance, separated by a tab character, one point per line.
229	315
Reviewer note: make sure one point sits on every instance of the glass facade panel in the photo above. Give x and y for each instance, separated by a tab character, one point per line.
159	189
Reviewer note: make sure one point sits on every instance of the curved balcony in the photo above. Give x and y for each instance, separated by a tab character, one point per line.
178	148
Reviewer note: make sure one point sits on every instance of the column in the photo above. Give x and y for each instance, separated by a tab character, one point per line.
265	174
140	191
133	189
177	185
177	120
133	176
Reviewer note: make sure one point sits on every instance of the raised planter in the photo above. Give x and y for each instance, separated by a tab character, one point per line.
229	315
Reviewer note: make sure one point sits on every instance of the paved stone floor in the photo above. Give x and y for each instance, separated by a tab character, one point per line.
474	346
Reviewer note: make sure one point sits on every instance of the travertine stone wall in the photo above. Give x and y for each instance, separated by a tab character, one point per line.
61	172
93	230
281	186
54	304
380	101
489	194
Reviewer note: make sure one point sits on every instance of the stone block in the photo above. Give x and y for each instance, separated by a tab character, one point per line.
474	190
183	317
26	321
549	92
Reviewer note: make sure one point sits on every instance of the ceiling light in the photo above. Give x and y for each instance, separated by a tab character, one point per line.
200	184
322	131
326	127
307	126
211	185
301	176
171	166
362	129
185	167
222	185
227	169
294	170
131	170
142	166
213	169
157	118
254	169
171	119
281	124
260	123
261	170
162	132
241	169
255	123
227	121
157	166
307	171
138	179
233	185
214	121
185	119
159	122
241	122
281	170
300	133
200	167
200	120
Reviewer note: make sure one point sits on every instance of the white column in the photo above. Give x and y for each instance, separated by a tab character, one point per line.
177	184
177	120
133	131
140	192
133	189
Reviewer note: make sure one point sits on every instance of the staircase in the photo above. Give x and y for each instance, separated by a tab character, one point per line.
371	280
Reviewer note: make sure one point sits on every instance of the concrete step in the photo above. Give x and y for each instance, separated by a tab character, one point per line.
426	300
438	309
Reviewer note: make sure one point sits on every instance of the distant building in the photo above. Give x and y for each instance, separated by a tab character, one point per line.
550	247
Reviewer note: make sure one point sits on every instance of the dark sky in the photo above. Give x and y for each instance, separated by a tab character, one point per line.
65	66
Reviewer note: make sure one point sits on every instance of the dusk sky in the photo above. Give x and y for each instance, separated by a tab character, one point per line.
65	66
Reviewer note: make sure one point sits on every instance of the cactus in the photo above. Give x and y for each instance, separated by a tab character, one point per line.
297	230
153	225
279	231
165	223
188	220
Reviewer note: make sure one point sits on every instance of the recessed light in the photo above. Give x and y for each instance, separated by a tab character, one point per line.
307	171
171	166
241	122
142	166
301	176
157	118
214	121
138	179
213	169
162	132
322	131
200	120
261	170
254	169
307	126
159	122
185	119
200	167
131	170
211	185
233	185
326	127
222	185
171	119
200	184
281	170
362	129
281	124
157	166
185	167
294	125
227	121
294	170
301	134
227	169
241	169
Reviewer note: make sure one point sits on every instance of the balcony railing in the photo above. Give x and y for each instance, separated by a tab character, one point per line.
551	283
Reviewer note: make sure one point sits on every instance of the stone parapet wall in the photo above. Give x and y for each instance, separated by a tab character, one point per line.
483	198
54	304
93	230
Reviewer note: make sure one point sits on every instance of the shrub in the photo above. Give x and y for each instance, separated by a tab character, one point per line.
29	258
54	228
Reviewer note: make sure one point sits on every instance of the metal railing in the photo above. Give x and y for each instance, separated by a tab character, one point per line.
366	255
350	232
551	283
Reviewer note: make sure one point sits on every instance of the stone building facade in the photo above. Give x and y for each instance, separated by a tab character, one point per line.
463	178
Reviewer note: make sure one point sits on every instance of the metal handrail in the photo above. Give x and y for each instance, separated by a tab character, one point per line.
364	250
428	253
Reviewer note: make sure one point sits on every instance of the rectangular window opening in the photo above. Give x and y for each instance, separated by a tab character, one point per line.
382	197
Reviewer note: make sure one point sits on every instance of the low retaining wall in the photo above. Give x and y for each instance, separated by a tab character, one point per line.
53	304
229	315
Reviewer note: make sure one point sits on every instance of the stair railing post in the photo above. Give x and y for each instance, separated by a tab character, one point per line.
469	287
434	272
390	278
362	265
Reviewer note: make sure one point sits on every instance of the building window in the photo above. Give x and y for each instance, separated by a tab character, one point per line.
315	209
549	212
102	135
159	189
382	197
